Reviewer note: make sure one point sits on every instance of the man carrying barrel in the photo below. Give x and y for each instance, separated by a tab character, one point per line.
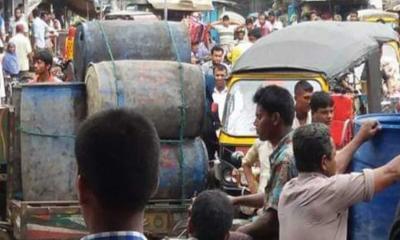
317	201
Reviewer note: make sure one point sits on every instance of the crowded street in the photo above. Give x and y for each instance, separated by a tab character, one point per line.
200	119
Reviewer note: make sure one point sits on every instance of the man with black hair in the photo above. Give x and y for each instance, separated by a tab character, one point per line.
263	24
220	90
217	57
211	216
40	28
353	16
303	91
254	35
226	30
322	108
274	119
117	153
18	19
43	62
317	201
276	23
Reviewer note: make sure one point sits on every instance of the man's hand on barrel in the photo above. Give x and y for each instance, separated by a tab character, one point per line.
368	130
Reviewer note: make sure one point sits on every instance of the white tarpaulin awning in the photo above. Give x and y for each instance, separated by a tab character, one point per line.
183	5
81	7
32	4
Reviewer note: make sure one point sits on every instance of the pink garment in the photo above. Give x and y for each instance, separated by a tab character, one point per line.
265	29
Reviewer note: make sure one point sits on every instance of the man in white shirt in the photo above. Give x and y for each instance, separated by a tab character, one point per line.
220	90
259	152
18	19
303	91
23	48
41	30
276	24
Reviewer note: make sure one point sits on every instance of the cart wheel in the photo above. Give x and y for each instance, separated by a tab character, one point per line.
4	235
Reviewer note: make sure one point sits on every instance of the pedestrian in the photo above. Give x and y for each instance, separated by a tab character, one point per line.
315	204
220	90
226	30
254	35
263	24
211	216
276	23
2	30
249	26
303	91
18	19
257	155
353	16
217	57
23	50
321	105
240	47
43	62
10	61
42	32
337	17
117	153
274	119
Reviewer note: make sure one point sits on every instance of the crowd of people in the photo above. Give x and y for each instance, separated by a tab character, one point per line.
300	170
28	42
307	194
303	191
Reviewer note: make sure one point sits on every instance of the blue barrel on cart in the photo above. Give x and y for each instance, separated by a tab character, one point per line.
373	220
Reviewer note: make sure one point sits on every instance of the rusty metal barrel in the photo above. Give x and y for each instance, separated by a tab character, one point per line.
182	176
153	88
49	117
142	40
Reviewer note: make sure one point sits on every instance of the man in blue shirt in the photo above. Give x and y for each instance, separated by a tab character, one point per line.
117	152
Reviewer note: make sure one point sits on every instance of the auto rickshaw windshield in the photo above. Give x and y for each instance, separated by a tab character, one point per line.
239	113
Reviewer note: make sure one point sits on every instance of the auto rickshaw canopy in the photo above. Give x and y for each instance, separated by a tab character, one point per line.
373	15
328	48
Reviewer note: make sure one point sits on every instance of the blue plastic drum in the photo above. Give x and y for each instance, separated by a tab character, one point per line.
373	220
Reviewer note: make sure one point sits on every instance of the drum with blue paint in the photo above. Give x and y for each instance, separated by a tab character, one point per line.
373	220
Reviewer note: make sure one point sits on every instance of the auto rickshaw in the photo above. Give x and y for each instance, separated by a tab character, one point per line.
322	53
376	15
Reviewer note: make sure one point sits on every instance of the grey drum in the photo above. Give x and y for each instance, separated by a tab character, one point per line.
146	40
152	88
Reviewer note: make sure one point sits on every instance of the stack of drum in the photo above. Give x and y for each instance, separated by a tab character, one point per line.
138	65
155	83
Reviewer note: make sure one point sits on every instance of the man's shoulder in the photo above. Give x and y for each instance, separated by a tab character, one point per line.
130	235
284	152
